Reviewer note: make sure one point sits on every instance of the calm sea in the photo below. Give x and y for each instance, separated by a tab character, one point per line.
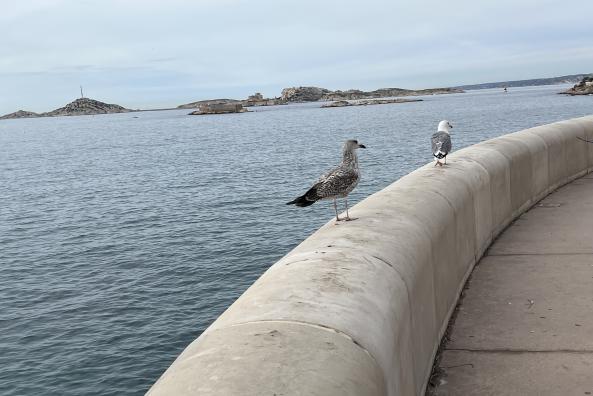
122	237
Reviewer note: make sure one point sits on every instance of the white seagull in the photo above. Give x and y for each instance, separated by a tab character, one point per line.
337	183
441	142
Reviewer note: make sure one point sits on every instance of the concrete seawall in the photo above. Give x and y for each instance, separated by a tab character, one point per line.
359	308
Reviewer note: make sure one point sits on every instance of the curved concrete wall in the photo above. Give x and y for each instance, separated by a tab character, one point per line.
359	308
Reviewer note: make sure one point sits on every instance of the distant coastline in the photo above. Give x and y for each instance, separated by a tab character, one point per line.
569	79
86	106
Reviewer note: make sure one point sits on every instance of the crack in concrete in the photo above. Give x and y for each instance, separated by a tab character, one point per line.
314	325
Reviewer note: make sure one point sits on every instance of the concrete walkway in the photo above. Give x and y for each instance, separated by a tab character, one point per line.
525	323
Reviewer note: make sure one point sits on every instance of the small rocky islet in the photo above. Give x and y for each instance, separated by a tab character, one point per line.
225	106
20	114
81	106
367	102
585	87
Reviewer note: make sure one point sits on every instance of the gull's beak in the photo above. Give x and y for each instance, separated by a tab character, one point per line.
362	146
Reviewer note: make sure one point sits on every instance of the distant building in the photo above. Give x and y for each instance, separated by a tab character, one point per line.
256	97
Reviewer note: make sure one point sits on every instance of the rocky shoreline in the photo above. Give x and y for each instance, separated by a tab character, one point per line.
367	102
585	87
81	106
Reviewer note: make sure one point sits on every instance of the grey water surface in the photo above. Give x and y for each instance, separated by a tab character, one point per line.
123	238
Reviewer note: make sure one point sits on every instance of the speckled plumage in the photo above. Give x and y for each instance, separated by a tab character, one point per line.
336	183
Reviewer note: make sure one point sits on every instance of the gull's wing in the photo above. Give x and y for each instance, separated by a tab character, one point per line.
335	182
441	144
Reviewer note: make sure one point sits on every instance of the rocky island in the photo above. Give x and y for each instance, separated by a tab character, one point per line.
256	99
81	106
224	107
314	94
20	114
195	105
585	87
367	102
86	106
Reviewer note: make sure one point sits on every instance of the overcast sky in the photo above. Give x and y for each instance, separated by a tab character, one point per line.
154	53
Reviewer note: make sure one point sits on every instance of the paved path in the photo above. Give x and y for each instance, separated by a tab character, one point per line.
525	324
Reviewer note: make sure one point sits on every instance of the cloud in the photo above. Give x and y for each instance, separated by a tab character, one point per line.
197	49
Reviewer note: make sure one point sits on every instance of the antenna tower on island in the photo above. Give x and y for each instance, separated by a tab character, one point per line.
81	94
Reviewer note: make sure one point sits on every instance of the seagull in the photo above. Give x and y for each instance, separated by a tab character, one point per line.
337	183
441	142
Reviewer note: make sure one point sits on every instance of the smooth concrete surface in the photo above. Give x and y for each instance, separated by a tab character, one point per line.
558	233
323	363
386	284
517	374
525	324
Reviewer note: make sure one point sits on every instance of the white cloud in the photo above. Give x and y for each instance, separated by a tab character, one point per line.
227	48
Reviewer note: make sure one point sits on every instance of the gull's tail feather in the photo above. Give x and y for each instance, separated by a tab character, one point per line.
307	199
439	153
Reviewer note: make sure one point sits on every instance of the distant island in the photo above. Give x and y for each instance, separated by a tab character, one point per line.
81	106
367	102
308	94
570	79
584	87
256	99
223	106
314	94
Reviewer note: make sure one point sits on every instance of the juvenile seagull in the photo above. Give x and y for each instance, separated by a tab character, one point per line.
337	183
441	142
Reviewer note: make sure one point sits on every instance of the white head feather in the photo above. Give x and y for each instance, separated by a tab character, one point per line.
444	126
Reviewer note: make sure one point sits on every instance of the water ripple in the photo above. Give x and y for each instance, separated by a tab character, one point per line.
123	239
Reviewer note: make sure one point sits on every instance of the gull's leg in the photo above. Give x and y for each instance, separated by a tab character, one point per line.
445	160
348	218
336	209
347	215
